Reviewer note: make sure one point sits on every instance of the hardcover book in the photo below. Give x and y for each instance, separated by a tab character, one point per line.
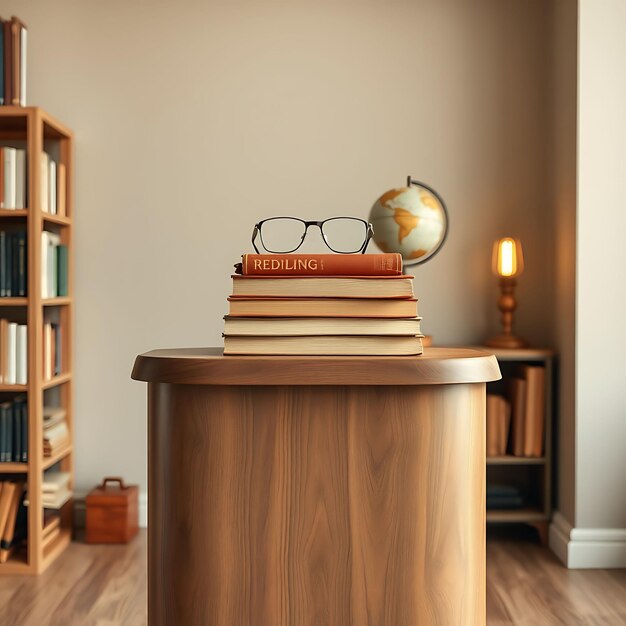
321	265
323	287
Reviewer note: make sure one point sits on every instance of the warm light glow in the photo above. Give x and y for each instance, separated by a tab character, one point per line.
507	258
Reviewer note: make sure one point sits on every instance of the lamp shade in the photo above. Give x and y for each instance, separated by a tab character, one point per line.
507	260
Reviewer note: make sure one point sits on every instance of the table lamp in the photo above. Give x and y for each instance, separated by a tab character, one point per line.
507	263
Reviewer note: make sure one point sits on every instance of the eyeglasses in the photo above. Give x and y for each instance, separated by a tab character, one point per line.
281	235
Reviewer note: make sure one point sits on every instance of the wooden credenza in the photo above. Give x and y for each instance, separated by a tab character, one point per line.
297	491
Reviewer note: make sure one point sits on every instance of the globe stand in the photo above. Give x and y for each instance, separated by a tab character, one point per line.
507	305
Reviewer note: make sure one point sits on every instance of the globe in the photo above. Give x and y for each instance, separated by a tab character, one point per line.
410	220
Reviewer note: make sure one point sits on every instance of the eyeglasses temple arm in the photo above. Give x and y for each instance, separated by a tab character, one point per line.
255	232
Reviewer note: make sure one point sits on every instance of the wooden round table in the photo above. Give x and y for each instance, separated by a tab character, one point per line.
297	491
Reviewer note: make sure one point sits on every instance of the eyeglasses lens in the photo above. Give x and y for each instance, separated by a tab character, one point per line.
344	234
282	234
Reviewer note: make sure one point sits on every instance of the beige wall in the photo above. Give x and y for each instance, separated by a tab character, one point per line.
563	193
601	259
193	119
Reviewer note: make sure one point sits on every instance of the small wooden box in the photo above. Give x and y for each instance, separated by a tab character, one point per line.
112	512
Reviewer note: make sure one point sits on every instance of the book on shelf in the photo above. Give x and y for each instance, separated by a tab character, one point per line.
14	430
14	40
14	530
518	414
325	345
13	189
53	186
504	497
498	422
13	263
320	265
308	326
54	481
13	56
54	266
13	353
534	416
56	434
323	287
52	352
322	307
12	517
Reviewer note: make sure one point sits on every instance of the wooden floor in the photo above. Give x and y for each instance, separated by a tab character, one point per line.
106	586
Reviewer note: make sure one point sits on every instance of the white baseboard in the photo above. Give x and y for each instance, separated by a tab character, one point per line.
79	509
587	548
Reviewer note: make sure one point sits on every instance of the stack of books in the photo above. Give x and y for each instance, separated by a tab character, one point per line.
14	430
12	517
13	353
56	435
53	266
55	488
13	40
324	304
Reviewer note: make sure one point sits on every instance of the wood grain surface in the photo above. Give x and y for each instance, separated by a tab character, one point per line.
106	586
300	505
208	366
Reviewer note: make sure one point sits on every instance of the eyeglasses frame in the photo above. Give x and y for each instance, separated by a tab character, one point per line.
368	236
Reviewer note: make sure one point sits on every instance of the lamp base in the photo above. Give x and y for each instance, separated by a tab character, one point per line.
508	342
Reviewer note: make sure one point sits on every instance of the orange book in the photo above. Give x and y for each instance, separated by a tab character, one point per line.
518	415
9	528
504	425
493	409
321	265
535	410
61	190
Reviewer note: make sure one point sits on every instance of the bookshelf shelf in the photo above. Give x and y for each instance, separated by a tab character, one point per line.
49	461
13	301
13	213
56	219
515	460
14	388
56	381
524	515
59	301
16	564
13	468
40	134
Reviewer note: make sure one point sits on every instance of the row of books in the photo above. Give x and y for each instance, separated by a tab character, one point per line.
54	266
13	46
14	182
13	264
516	423
14	431
325	304
13	353
13	518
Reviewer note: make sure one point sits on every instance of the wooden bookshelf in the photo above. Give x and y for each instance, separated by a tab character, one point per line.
37	131
534	474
